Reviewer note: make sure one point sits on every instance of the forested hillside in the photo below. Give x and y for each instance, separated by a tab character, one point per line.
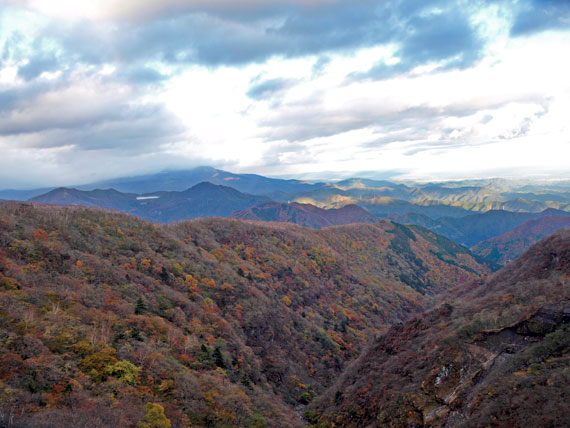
107	320
306	215
508	246
498	357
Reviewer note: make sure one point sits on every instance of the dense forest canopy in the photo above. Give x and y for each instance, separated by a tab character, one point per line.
107	320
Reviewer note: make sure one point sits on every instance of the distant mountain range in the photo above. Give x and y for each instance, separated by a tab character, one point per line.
182	180
467	212
380	197
435	200
472	229
202	200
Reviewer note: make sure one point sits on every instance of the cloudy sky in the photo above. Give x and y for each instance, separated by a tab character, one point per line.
96	89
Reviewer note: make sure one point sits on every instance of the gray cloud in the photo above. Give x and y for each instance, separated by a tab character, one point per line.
86	112
38	65
268	88
197	33
303	122
215	36
541	15
140	75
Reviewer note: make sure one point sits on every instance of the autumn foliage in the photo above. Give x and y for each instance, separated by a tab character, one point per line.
497	356
107	320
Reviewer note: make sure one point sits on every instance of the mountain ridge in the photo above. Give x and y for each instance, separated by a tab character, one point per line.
305	214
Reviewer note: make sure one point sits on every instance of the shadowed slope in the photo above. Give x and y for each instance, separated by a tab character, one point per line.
507	247
499	357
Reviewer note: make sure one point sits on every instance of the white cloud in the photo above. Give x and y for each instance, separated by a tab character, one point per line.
314	112
488	117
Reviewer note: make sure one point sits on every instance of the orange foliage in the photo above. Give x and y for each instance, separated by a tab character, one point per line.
209	282
40	235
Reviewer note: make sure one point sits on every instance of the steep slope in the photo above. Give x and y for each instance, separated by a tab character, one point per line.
202	200
222	322
306	214
507	247
498	357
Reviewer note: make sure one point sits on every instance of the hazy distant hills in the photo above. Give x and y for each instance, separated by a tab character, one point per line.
376	202
499	356
185	179
306	214
475	228
434	200
507	247
380	197
207	200
22	195
201	200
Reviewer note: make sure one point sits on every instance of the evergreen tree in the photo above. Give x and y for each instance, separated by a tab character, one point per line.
140	306
219	358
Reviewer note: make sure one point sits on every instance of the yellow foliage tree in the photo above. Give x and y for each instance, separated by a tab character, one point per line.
155	417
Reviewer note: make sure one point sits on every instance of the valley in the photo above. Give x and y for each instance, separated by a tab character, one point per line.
497	354
224	322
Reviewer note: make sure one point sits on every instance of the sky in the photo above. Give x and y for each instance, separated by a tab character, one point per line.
407	89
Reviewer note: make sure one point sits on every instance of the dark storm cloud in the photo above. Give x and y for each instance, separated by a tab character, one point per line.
541	15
